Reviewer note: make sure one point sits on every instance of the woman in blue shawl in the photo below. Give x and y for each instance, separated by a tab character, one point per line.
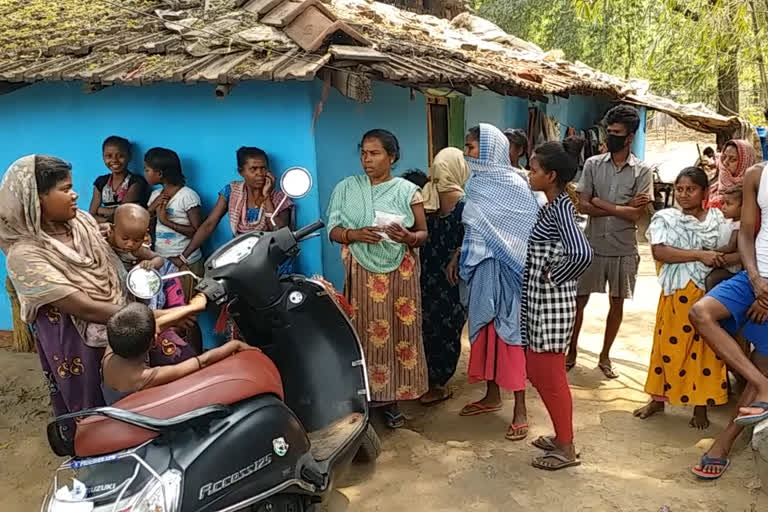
499	214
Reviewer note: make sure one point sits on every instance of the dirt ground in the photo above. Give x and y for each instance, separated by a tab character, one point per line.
676	151
464	464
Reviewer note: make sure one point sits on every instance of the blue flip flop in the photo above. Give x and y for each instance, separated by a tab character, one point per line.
706	460
751	419
394	420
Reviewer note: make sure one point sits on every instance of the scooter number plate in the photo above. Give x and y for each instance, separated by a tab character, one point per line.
79	506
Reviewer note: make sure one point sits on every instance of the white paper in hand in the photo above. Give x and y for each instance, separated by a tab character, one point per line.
384	219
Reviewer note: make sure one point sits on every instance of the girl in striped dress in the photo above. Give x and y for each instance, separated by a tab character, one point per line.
558	253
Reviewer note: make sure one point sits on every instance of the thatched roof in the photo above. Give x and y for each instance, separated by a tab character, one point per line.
347	42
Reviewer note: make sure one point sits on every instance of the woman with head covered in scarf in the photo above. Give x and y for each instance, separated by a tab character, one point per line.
65	274
738	155
67	278
498	216
443	313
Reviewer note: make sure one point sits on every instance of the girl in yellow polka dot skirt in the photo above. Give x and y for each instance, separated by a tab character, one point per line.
683	369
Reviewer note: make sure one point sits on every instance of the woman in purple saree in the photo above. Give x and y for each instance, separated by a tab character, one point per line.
65	274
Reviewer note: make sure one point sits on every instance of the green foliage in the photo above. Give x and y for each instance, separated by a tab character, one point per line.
677	45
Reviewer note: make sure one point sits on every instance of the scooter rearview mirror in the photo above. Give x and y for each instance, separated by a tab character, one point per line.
144	283
295	183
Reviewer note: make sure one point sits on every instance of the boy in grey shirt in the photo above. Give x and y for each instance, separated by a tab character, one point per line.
615	190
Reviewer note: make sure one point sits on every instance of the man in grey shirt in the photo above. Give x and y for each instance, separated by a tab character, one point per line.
614	190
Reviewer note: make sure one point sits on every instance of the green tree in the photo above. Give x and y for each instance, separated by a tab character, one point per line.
692	50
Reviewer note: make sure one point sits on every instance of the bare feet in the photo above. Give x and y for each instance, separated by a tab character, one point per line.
649	410
699	419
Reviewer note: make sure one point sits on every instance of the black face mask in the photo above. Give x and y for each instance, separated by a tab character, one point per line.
615	143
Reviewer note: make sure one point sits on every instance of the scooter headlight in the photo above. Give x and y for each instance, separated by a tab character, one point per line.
163	496
156	496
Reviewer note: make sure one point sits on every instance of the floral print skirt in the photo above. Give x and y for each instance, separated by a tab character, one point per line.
71	368
387	317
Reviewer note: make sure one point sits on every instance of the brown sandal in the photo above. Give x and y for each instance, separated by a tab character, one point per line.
608	371
476	409
447	394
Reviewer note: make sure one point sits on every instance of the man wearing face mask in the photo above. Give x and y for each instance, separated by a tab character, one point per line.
615	190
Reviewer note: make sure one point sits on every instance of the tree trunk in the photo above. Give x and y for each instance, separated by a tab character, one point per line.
765	12
628	66
727	87
728	75
728	82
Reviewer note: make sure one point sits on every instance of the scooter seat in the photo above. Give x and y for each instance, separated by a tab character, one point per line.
241	376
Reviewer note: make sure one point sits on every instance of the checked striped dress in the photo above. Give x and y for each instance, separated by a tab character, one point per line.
498	216
558	253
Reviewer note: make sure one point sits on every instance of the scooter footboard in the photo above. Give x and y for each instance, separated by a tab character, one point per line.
317	352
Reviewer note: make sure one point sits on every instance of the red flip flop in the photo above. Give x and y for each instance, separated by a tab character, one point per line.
518	437
476	409
723	463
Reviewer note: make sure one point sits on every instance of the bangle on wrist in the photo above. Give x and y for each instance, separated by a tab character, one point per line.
183	259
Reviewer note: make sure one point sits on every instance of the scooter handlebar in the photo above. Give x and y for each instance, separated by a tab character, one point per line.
307	230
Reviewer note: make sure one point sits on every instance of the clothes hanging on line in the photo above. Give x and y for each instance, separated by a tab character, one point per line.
541	128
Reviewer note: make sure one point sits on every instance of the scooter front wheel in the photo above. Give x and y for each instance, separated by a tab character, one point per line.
370	447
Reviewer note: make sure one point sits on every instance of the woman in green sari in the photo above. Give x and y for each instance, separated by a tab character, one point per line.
379	220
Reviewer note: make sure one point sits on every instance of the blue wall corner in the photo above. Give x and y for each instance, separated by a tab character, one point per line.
338	131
